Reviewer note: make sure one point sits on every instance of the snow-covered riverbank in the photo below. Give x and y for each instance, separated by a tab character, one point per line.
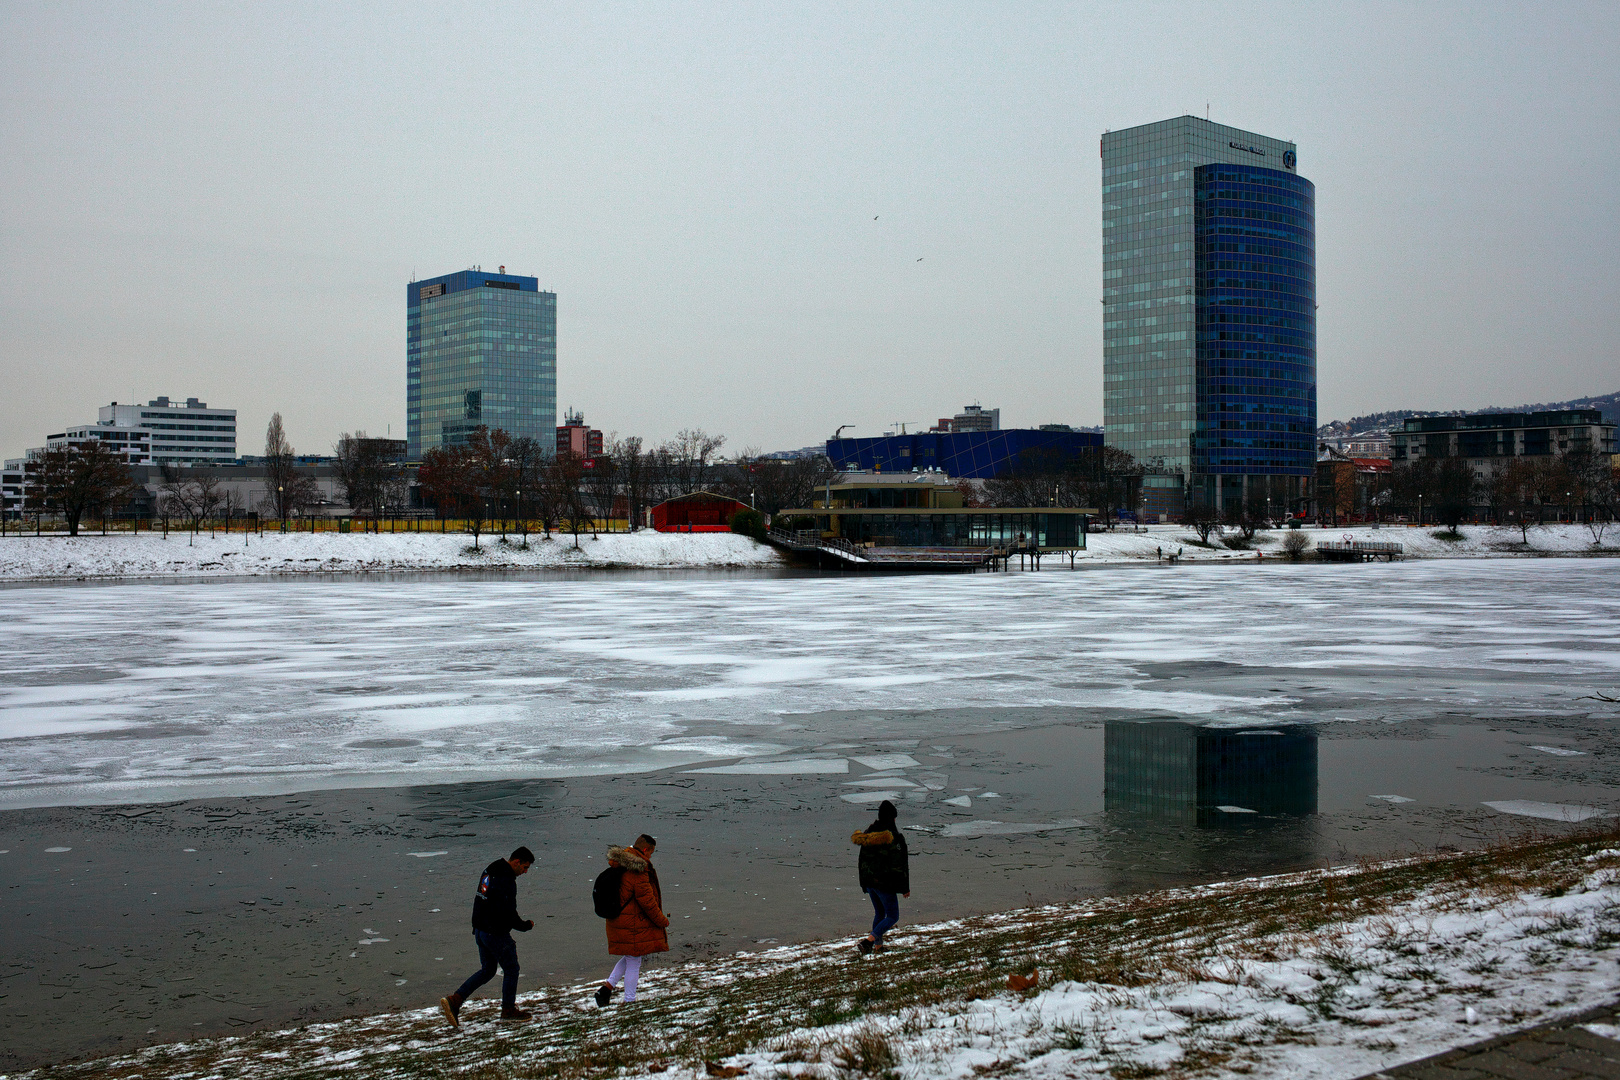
1324	974
46	558
1475	542
149	555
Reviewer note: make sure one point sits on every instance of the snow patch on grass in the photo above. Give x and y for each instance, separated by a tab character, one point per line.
25	558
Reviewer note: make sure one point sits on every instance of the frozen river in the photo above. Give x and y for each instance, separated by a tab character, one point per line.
144	692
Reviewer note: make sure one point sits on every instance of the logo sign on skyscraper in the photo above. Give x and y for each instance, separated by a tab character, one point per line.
1250	149
1288	159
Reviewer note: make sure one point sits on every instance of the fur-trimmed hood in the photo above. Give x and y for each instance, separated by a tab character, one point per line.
628	858
872	839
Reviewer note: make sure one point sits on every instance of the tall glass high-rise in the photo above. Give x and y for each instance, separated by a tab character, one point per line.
481	350
1209	324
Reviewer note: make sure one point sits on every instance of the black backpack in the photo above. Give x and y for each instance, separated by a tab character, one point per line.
605	893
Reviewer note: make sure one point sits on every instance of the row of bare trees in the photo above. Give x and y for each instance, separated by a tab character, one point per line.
1517	491
497	478
1105	477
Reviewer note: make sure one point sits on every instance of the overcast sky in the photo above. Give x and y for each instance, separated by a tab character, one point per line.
731	201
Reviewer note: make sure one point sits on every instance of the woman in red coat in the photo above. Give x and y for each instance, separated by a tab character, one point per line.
638	929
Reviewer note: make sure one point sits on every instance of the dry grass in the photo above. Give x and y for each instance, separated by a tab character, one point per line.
717	1009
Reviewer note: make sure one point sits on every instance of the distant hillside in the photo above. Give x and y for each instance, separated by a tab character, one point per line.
1379	421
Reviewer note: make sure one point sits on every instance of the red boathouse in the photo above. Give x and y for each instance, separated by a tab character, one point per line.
700	511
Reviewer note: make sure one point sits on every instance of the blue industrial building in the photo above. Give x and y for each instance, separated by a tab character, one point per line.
480	351
971	454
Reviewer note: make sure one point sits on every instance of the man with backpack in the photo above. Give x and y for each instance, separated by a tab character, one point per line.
494	917
627	895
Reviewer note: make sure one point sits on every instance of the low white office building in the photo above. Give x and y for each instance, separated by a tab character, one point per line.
181	434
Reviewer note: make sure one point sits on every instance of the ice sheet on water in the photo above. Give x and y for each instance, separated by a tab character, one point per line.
1549	811
779	768
1560	751
236	687
880	762
1005	828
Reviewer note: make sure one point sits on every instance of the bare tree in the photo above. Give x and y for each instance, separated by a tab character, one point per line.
1592	487
448	477
371	480
78	479
690	458
601	485
630	465
493	473
771	485
1508	490
524	478
568	476
1547	479
1203	519
287	489
194	499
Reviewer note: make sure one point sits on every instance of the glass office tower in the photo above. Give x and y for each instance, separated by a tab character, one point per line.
1209	316
481	350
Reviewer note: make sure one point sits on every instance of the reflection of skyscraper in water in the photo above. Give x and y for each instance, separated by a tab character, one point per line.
1202	775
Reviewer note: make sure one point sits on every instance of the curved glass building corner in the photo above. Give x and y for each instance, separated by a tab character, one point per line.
1255	266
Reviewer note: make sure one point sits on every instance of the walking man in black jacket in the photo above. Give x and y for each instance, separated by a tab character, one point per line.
494	917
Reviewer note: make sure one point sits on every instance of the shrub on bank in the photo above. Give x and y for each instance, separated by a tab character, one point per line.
749	523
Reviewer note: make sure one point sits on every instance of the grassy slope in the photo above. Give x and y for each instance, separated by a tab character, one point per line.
704	1012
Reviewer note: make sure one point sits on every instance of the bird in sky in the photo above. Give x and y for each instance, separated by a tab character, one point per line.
919	260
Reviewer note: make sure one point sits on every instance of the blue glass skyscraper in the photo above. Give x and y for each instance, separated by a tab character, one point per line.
1209	326
481	350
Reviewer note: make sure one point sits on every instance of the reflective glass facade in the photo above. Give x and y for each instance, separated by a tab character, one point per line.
963	528
1256	321
481	350
976	454
1153	393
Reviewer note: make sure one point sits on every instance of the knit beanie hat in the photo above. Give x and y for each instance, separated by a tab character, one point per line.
886	811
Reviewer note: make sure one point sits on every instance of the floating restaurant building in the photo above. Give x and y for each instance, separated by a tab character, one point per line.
927	510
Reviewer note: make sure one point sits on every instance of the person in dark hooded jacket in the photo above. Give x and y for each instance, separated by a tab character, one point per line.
885	872
494	917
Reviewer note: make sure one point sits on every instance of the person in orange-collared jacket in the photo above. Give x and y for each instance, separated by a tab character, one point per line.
885	869
638	930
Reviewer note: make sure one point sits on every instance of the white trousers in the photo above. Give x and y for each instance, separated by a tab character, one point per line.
627	969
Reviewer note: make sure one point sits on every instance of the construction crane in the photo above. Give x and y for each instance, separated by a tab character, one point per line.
840	432
901	424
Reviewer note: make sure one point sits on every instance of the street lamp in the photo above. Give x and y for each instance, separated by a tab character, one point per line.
523	525
281	497
1420	511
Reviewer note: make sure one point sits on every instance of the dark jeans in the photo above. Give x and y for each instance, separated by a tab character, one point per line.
885	912
494	949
